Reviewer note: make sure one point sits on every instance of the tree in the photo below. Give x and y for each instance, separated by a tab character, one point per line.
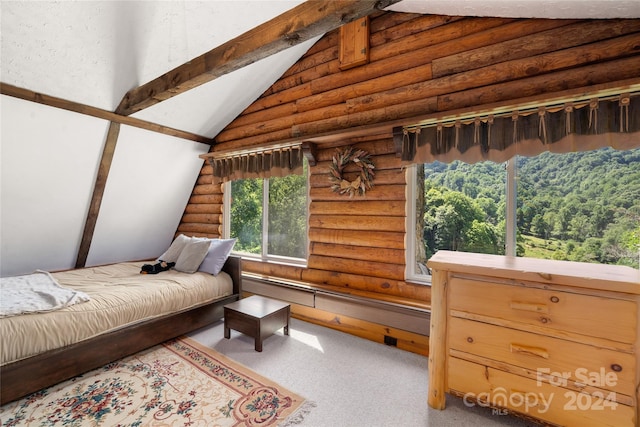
482	238
246	214
288	216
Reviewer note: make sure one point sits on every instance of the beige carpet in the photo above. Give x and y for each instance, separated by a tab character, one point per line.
179	383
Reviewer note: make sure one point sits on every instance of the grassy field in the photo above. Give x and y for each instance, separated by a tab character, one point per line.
543	248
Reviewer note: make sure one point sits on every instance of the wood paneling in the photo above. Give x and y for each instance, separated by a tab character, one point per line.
420	66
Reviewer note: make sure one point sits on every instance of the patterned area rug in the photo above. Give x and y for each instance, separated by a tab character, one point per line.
178	383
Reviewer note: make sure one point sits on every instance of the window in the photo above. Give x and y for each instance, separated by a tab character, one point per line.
269	217
582	206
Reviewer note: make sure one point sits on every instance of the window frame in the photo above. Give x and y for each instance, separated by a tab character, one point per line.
264	256
511	197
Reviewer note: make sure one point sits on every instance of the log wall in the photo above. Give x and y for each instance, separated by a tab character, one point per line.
420	66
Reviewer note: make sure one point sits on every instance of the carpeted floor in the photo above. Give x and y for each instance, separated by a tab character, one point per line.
353	382
178	383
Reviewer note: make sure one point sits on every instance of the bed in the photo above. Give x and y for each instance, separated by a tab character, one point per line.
111	325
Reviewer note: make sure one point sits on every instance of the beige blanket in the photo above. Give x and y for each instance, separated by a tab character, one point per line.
119	296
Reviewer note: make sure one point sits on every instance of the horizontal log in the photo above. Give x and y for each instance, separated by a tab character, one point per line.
391	256
206	199
385	21
273	270
324	50
358	207
504	72
272	113
394	26
189	228
278	98
290	94
206	235
377	239
202	208
370	71
385	114
224	144
204	189
440	34
281	122
348	283
382	177
407	341
358	282
376	192
592	75
387	162
372	222
556	39
361	267
207	169
317	65
386	66
327	79
368	86
201	218
375	145
204	179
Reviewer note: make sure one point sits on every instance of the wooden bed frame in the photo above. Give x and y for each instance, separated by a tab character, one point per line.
26	376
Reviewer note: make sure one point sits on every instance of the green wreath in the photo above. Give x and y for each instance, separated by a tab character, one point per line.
363	181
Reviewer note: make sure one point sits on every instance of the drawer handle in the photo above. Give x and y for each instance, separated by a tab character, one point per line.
531	351
527	306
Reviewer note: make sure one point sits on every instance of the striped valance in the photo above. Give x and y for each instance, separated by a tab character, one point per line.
571	126
261	164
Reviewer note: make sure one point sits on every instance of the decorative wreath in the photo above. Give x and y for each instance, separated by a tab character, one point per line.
363	181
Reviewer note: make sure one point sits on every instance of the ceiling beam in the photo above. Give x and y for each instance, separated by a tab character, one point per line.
98	192
305	21
52	101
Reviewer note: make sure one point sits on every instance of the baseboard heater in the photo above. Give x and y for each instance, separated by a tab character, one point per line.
395	315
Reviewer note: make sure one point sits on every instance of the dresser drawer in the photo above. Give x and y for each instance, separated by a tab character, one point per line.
581	363
589	315
526	396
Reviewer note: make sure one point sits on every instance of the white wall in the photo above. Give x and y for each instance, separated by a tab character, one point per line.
151	180
48	164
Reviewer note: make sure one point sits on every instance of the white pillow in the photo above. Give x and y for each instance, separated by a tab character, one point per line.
192	255
219	251
172	254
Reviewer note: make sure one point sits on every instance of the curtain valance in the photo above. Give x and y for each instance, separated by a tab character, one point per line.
261	164
573	126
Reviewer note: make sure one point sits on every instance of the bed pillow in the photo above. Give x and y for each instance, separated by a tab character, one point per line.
172	254
192	255
219	251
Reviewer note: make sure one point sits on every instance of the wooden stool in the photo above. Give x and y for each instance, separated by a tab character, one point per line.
256	316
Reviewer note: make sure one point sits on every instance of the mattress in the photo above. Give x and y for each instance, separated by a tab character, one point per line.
120	296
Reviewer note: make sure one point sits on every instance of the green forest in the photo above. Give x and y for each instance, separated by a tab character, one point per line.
578	206
286	215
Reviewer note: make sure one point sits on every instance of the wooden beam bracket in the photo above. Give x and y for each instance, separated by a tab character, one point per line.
310	151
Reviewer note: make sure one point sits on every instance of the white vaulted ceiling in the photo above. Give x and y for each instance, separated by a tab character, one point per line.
92	53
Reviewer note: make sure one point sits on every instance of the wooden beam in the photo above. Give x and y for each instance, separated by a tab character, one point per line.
305	21
52	101
98	191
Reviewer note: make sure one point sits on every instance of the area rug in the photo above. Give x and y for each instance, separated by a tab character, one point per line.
178	383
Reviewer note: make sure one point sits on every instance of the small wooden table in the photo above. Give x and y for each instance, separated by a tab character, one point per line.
256	316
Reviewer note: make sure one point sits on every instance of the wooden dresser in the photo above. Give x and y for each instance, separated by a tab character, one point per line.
552	340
